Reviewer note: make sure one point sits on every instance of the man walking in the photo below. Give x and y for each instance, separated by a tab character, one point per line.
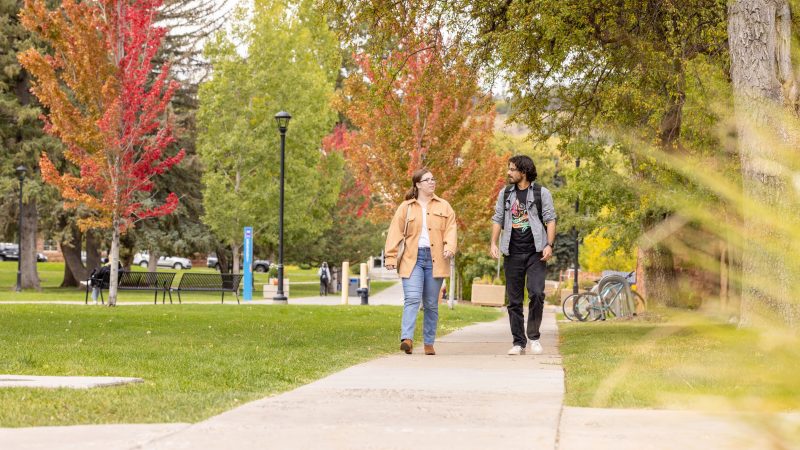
324	275
525	221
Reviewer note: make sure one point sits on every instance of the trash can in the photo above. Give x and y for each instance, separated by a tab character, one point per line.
352	287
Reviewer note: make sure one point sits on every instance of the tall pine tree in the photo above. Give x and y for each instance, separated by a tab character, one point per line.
21	141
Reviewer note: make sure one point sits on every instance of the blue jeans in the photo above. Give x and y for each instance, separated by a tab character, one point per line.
421	286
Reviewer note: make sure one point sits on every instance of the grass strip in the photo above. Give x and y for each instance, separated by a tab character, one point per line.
196	360
686	361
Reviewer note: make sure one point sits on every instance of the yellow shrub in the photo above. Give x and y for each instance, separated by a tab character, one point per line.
594	255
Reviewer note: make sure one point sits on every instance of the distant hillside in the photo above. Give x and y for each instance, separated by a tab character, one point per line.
517	130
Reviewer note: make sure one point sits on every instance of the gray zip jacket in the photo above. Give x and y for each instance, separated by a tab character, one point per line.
502	217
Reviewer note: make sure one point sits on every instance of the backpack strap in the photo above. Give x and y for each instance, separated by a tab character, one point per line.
507	193
537	198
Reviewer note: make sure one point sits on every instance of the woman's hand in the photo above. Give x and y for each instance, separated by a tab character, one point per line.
389	267
448	254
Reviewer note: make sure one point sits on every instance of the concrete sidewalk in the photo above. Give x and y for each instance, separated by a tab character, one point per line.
469	396
393	295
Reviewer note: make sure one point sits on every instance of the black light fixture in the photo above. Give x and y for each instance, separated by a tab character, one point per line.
282	118
21	170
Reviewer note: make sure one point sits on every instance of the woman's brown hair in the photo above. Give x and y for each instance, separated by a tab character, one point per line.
416	177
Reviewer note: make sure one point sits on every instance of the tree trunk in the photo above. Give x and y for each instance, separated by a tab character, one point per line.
74	271
764	87
641	285
235	256
724	275
656	278
152	261
30	225
92	251
114	261
222	260
659	280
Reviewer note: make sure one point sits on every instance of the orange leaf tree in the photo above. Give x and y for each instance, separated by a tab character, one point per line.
105	108
422	106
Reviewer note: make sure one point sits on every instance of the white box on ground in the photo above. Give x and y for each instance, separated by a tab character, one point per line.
271	288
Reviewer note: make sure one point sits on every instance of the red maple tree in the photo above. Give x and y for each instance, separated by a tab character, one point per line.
105	108
354	196
421	105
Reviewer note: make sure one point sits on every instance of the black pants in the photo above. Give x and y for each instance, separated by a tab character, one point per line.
523	270
323	287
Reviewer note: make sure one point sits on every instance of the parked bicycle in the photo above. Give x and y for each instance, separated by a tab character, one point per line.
611	296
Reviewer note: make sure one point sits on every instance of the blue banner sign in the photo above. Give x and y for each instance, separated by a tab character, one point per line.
248	264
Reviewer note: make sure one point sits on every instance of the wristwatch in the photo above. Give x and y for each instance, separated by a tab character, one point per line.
551	245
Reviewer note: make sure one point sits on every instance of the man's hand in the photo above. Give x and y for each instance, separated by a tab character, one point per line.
494	251
547	253
448	254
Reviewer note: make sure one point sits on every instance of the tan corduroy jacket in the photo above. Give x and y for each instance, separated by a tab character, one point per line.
441	221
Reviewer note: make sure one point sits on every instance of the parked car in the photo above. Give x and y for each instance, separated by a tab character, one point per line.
10	252
103	259
259	265
176	262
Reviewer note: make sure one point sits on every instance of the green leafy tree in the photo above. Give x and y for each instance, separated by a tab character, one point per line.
591	67
581	69
292	65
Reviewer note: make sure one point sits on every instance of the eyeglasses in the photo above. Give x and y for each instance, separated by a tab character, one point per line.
428	180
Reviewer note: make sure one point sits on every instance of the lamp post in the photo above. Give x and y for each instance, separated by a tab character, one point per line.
21	175
283	123
575	235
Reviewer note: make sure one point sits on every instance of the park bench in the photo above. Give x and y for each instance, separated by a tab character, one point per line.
210	282
138	281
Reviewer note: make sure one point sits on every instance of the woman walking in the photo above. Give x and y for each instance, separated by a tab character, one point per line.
424	227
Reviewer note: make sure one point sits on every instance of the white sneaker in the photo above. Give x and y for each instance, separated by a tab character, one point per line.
517	350
536	347
94	302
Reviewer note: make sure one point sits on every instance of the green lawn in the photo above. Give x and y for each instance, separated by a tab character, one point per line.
685	360
52	273
197	360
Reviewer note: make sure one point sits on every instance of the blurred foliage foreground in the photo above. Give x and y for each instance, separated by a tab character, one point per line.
739	351
680	360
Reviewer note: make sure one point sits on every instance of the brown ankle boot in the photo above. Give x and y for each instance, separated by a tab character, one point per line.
429	350
406	345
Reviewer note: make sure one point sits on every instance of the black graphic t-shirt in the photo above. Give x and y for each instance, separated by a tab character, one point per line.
521	235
